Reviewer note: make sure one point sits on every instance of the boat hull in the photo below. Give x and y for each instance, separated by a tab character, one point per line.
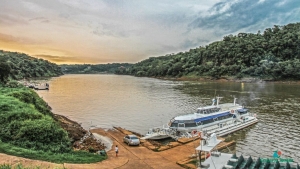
238	127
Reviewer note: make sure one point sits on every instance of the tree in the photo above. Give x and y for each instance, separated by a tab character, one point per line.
4	70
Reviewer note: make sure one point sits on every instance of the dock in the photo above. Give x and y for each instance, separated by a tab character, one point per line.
177	154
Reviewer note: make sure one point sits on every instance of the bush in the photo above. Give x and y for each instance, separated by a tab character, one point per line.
13	84
25	121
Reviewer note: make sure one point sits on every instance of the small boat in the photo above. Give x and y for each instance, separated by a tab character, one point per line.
221	119
41	87
158	133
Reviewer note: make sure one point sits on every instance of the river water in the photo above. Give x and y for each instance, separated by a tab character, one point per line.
141	103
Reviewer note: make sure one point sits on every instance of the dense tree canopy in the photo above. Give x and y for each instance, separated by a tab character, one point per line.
21	66
4	70
273	54
99	68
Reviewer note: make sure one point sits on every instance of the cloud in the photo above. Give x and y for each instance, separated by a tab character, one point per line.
18	40
39	19
233	15
62	59
57	59
102	31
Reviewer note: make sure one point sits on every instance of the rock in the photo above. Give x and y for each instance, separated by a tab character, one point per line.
80	138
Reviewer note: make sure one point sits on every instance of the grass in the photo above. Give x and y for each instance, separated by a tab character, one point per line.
76	157
27	129
20	166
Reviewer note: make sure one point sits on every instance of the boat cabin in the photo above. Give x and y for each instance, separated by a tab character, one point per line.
185	122
208	110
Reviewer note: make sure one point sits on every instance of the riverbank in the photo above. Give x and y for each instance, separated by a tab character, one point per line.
81	138
228	79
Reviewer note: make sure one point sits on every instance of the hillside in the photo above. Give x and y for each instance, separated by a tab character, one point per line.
98	68
22	66
270	55
28	128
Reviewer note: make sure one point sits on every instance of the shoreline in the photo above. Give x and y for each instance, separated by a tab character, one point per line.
227	79
81	138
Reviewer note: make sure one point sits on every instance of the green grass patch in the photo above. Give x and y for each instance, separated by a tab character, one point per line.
28	129
77	157
20	166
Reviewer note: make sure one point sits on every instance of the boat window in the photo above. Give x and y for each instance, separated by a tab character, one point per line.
200	111
243	112
204	112
181	125
174	124
207	121
190	124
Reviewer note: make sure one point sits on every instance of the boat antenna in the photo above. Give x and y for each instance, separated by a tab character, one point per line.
234	100
215	93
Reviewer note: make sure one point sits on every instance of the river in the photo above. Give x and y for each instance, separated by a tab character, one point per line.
141	103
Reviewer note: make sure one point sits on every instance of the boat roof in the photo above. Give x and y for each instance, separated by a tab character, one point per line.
207	107
222	106
202	117
211	117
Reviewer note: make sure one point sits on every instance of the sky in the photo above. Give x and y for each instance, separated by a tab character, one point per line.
129	31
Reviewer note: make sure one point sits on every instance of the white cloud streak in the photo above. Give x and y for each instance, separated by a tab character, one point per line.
116	30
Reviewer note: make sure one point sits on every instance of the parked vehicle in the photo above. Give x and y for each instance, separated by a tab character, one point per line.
131	140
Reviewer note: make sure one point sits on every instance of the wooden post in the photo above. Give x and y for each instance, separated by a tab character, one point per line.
200	159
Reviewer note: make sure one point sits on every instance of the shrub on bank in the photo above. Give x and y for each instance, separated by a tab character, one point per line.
75	157
27	129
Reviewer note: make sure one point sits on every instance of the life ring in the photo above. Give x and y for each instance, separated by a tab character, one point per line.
231	111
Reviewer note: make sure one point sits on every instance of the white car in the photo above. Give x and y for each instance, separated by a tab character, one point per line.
131	140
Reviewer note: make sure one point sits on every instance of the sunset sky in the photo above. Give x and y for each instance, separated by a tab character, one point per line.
118	31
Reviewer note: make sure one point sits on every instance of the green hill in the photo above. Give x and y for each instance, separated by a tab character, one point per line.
22	66
271	55
98	68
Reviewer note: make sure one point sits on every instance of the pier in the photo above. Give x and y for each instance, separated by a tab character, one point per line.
174	155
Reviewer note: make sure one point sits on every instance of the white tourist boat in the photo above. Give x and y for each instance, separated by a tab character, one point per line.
221	119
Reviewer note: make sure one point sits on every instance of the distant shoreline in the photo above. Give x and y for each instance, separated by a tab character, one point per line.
228	79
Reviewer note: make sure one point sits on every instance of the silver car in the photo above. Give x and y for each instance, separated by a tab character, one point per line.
131	140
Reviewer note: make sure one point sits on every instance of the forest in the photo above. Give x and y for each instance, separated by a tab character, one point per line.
92	69
14	65
270	55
